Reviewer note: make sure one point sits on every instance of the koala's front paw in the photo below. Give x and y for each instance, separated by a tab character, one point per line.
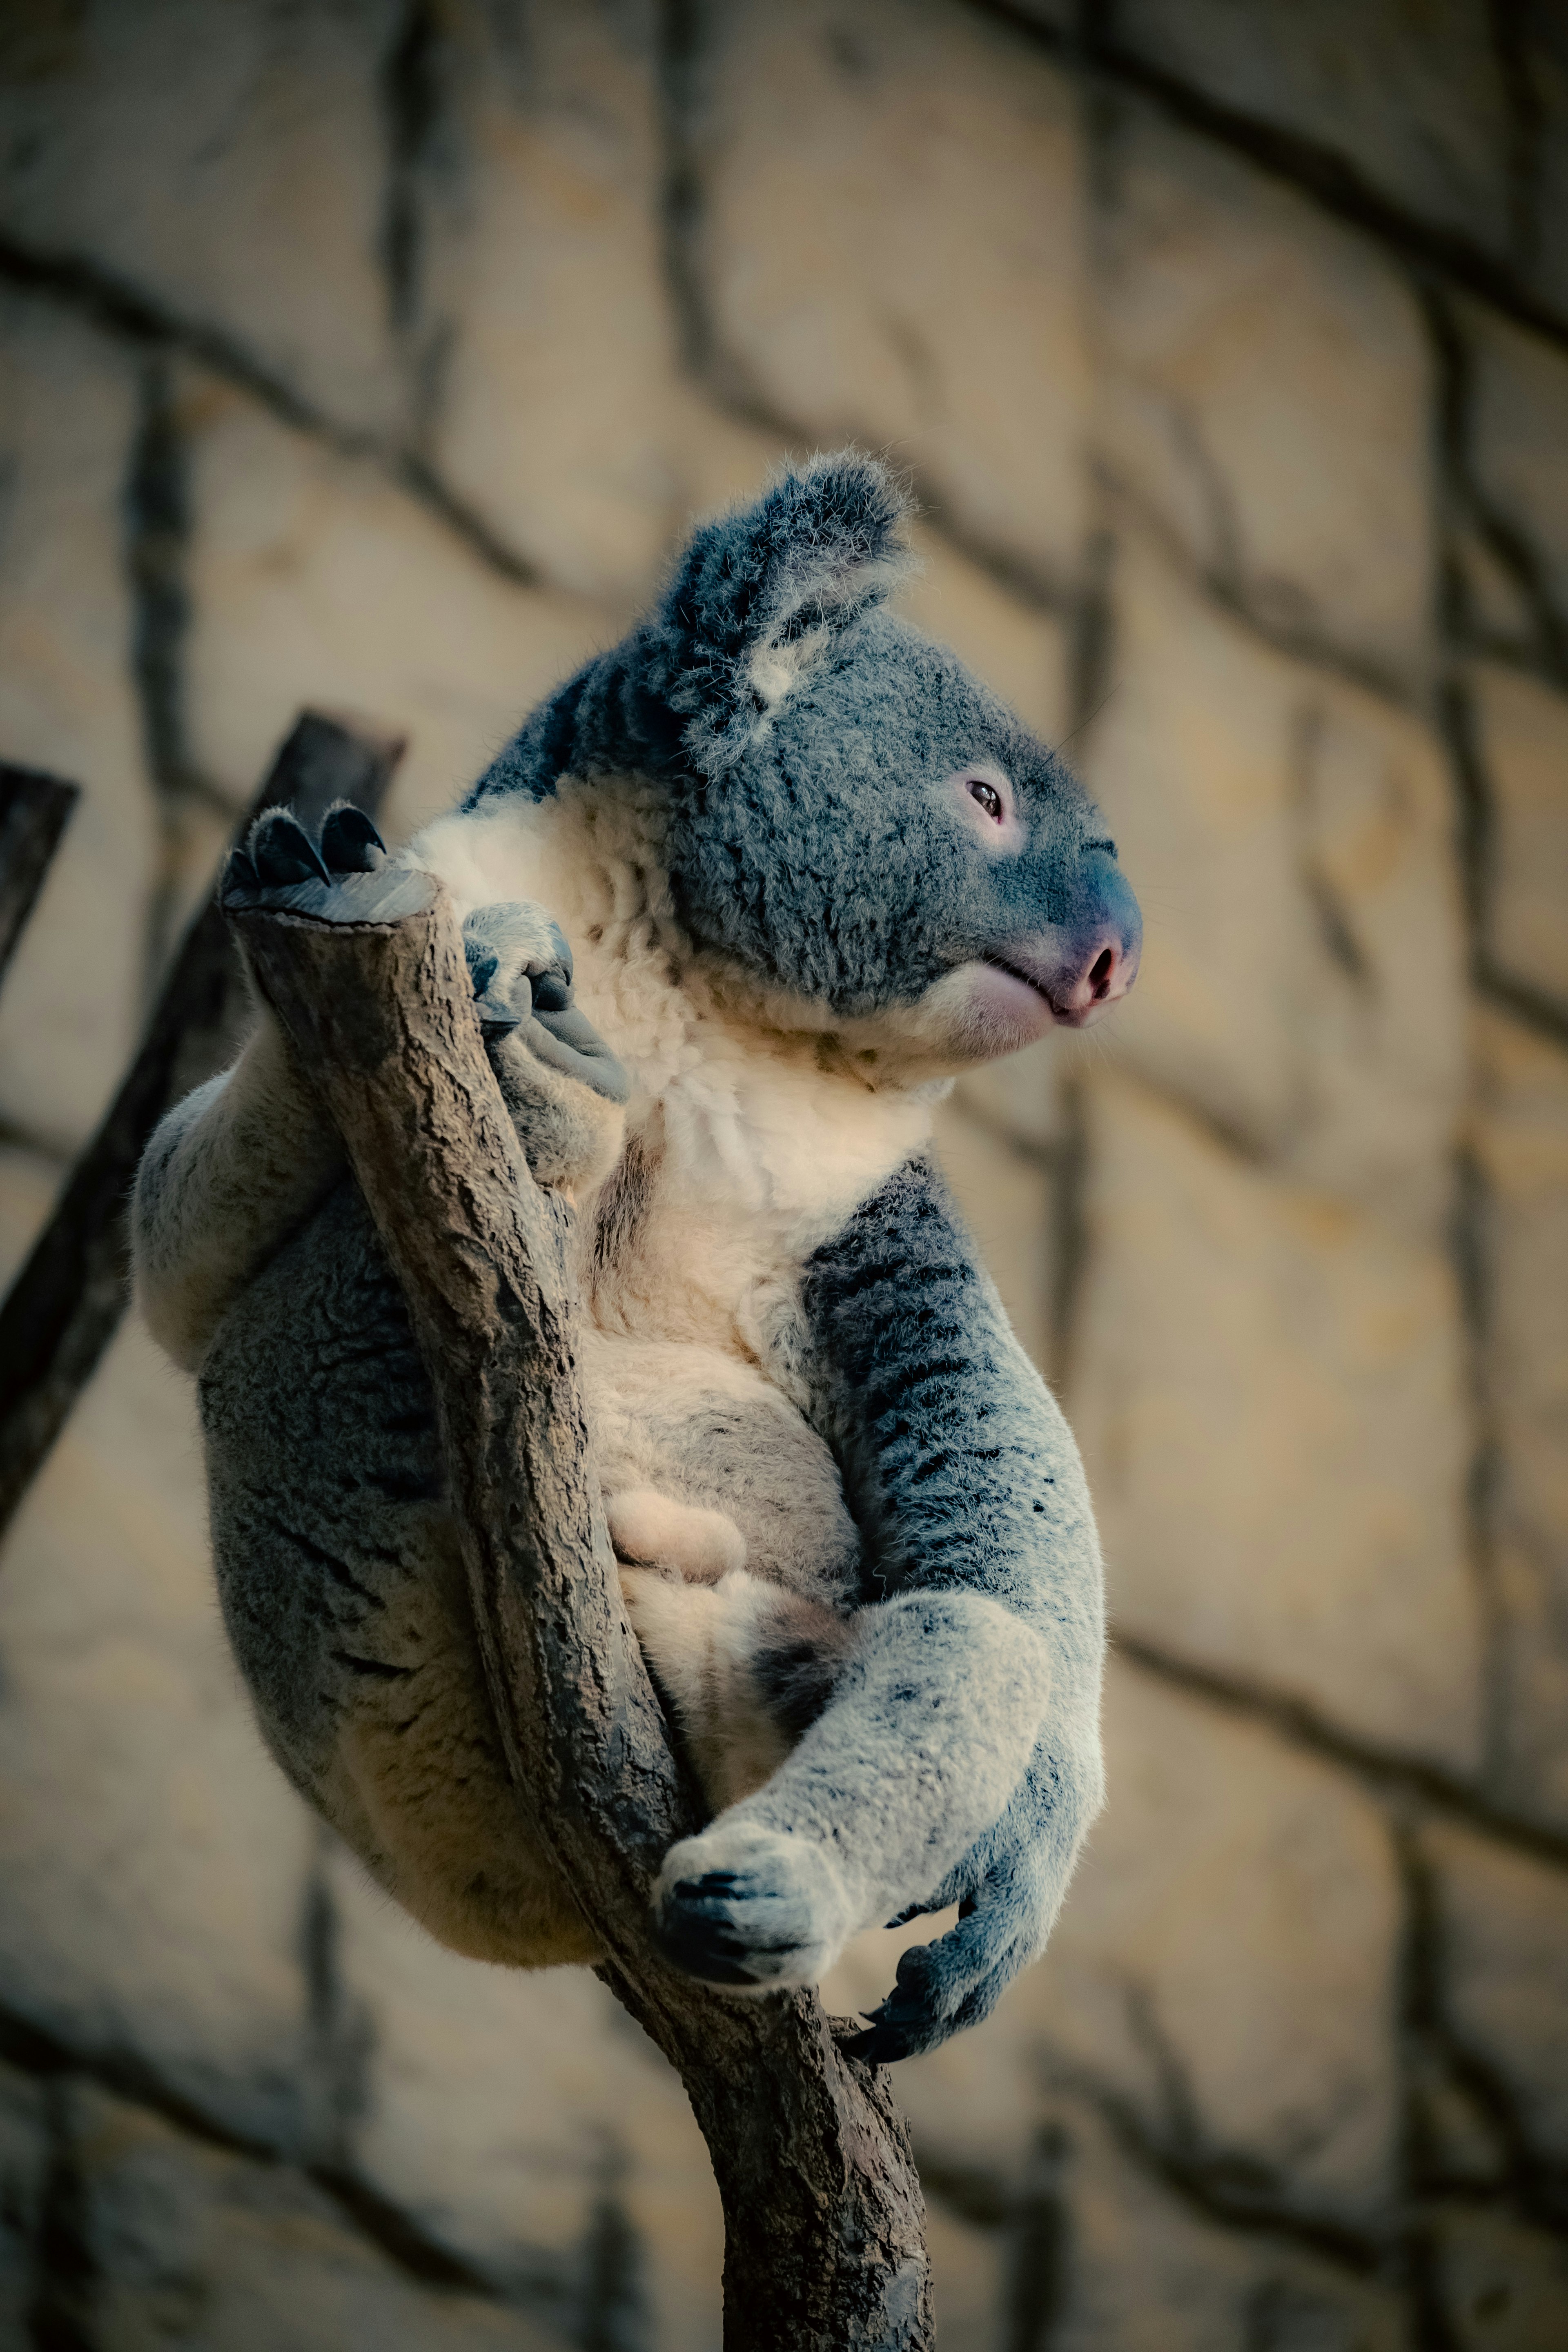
522	969
1007	1889
742	1904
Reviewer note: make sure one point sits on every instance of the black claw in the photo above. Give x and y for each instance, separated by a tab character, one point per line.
878	2047
350	843
701	1947
283	852
238	874
551	993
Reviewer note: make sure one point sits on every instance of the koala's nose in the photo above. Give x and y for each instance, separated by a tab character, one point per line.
1098	976
1102	948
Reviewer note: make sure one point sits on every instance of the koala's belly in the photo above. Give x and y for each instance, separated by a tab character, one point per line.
707	1428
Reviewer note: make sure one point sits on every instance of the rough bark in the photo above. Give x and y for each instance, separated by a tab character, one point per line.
33	811
824	2223
66	1304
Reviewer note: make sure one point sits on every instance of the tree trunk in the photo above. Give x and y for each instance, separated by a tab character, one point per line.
824	2219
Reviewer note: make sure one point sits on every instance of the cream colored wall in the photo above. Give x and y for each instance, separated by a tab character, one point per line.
372	354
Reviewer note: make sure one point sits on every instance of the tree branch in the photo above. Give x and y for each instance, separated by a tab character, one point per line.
34	810
64	1306
824	2225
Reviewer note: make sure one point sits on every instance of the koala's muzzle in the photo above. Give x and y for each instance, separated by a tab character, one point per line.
1085	964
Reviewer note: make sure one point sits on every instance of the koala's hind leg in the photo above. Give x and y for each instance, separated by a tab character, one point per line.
746	1664
928	1735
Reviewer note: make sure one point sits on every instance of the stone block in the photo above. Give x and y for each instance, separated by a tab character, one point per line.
187	2243
153	1859
1522	736
1269	1386
1521	1140
1291	836
1494	611
1143	2270
1502	2285
1267	394
507	2112
25	2157
560	413
1416	103
1225	1969
889	252
1501	1932
1519	446
226	161
314	580
68	1016
1005	1197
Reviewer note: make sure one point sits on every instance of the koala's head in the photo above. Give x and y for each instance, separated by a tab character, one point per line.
854	819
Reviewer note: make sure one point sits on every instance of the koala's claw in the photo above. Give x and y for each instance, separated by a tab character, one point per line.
282	851
282	867
350	843
520	964
697	1933
943	1986
768	1910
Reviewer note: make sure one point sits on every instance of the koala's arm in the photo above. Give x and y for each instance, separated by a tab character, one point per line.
959	1757
968	1483
230	1174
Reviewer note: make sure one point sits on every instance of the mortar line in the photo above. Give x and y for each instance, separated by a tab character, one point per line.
1385	1769
1301	162
120	308
44	2054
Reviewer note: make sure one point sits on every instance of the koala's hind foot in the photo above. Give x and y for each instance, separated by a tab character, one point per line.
346	878
745	1664
650	1530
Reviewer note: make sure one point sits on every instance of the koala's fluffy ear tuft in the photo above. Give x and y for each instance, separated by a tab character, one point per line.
759	590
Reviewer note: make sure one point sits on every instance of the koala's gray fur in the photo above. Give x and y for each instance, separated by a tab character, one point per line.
808	867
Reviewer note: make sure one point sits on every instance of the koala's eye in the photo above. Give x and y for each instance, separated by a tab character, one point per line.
989	798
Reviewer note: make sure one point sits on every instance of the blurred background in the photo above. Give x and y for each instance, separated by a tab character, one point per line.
374	353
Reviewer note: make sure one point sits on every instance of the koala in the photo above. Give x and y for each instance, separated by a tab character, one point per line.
739	901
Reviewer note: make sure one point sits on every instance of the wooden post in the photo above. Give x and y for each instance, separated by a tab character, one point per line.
65	1305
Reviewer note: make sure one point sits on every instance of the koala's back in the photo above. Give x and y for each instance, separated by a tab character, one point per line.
342	1588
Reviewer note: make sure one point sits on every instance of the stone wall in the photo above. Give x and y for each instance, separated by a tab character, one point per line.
371	352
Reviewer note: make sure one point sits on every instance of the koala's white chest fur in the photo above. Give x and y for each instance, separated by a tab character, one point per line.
750	1144
747	1145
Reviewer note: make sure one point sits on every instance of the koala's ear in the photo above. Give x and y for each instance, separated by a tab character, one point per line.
758	590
